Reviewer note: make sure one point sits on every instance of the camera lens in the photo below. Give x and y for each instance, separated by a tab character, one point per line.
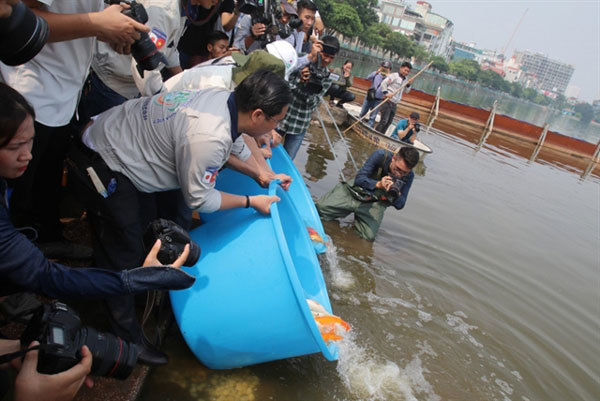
23	35
112	356
396	188
146	53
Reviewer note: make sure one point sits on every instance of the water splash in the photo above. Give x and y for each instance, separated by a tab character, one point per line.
340	278
370	378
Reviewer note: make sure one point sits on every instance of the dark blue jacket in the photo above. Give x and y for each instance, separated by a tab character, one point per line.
23	267
367	176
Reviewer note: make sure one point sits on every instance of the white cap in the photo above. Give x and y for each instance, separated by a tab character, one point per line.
285	52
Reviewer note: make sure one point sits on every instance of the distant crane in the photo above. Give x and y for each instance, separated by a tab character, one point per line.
505	48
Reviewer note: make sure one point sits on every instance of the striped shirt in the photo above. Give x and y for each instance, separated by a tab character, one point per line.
297	118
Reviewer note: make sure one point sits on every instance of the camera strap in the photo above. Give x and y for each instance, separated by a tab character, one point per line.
14	355
154	299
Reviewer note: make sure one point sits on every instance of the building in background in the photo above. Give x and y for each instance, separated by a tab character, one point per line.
512	71
428	29
465	51
543	73
433	31
392	12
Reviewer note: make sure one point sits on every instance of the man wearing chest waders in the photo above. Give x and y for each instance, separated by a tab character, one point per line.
384	180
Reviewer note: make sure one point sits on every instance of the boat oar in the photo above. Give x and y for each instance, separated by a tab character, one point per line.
341	135
388	98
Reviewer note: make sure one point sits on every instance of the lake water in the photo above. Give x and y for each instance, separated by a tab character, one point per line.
484	287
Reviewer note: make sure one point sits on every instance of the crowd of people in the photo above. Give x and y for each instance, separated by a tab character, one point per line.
140	116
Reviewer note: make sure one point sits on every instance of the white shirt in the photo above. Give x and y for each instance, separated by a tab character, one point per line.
391	84
166	28
168	141
53	79
210	74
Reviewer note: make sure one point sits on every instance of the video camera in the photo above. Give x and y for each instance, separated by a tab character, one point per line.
143	50
267	12
58	330
22	35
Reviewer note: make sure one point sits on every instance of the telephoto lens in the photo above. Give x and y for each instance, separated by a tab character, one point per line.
58	329
22	35
112	356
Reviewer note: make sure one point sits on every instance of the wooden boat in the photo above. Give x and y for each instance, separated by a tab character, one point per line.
381	140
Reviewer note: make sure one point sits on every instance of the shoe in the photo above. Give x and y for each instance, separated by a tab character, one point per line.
65	249
340	105
150	356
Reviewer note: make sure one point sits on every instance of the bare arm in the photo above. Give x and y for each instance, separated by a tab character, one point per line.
228	20
175	70
260	203
256	167
108	25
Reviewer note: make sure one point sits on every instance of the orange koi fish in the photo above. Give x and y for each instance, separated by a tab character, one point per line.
330	326
314	236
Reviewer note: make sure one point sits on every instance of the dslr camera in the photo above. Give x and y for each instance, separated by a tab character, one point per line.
61	336
268	13
318	73
143	50
417	127
396	188
173	239
22	35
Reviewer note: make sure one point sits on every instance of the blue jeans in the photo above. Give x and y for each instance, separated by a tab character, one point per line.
370	105
292	144
96	98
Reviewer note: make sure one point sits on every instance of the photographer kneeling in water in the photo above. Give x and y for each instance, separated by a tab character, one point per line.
384	180
23	267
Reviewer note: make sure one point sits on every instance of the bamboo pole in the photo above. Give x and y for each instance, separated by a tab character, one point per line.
341	135
435	109
386	100
540	142
489	125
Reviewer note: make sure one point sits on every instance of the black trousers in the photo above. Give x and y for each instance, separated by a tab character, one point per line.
386	116
35	201
341	93
118	224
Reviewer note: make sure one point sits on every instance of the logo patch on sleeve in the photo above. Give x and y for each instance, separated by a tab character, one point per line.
210	175
158	37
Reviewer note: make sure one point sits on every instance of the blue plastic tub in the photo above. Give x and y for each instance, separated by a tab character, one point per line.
248	304
280	162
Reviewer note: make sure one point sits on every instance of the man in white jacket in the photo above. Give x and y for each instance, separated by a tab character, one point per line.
175	140
390	87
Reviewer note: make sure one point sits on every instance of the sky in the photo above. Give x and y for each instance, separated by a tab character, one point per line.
567	31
